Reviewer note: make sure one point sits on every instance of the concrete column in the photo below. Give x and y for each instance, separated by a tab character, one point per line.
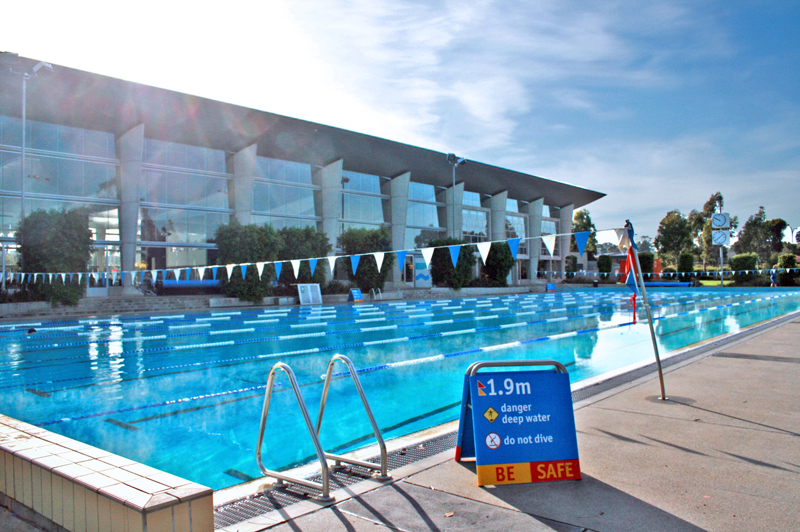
328	201
497	204
395	212
241	191
565	226
130	150
534	211
454	203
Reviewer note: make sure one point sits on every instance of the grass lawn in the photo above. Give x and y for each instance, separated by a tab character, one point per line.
715	283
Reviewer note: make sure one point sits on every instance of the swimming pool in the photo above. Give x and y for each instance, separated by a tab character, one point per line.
183	392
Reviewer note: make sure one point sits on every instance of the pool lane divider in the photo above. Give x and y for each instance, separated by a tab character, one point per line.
357	331
362	370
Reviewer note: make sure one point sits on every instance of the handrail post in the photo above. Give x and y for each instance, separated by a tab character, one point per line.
383	467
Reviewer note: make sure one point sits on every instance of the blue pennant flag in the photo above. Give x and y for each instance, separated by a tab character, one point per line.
401	259
513	244
454	251
581	239
244	271
354	260
278	266
313	264
214	272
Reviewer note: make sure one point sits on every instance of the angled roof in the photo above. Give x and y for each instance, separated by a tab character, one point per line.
92	101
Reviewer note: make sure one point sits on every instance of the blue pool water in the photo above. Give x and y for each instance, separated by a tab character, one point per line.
183	393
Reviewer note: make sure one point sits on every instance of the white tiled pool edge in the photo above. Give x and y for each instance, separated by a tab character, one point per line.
59	481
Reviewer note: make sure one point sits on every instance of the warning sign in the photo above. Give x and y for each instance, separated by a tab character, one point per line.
521	427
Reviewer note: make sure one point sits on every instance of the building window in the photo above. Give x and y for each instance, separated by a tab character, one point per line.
162	153
278	170
421	192
474	226
515	228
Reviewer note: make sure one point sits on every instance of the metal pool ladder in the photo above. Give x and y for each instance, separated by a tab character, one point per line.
383	466
322	456
324	487
376	293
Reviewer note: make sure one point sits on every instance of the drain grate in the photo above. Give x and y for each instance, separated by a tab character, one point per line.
269	501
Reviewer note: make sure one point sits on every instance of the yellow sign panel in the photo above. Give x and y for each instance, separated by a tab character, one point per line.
491	414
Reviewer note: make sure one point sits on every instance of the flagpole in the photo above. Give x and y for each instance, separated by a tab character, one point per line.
639	275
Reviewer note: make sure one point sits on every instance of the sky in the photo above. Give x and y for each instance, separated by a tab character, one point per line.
657	104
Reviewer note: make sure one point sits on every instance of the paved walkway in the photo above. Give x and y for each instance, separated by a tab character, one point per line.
722	454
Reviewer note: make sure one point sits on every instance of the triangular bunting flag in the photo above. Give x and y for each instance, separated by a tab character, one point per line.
50	275
278	266
244	270
581	239
63	278
513	243
214	272
331	262
427	253
401	259
229	270
454	251
550	243
201	272
259	268
113	278
354	260
379	255
153	275
312	263
295	267
483	249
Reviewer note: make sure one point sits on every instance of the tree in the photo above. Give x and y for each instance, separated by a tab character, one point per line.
245	244
674	236
754	236
775	229
55	242
303	243
364	241
645	244
442	271
582	221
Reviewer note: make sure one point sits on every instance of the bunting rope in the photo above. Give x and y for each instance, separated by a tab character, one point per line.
617	237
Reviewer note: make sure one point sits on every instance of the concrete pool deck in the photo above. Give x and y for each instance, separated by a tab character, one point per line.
721	454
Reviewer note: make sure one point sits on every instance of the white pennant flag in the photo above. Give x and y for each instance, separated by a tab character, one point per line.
295	266
229	269
63	278
379	259
483	249
177	273
331	262
201	272
549	243
96	278
79	278
427	254
35	276
113	278
50	275
153	275
260	268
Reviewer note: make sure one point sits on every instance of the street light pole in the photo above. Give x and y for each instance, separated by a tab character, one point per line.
453	159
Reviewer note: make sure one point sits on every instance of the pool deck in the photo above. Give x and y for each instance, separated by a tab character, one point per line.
723	453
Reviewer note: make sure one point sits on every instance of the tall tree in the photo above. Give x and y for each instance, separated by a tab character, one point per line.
356	241
775	228
754	236
674	236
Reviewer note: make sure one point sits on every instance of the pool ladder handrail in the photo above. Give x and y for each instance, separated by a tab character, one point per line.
383	466
375	292
472	370
324	487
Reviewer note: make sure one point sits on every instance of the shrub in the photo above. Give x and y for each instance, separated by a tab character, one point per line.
686	262
499	262
442	271
55	242
571	264
604	264
741	262
786	261
365	241
242	244
646	261
303	243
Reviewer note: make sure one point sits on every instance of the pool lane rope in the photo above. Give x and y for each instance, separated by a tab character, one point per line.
392	365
